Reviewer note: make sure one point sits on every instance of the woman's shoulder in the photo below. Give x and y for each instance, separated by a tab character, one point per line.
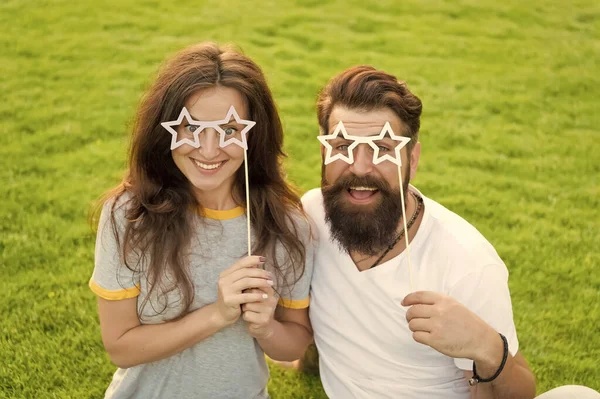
117	205
302	225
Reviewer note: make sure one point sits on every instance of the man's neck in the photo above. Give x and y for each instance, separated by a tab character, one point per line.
364	262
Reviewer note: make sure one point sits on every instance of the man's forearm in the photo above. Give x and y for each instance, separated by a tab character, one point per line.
288	341
514	382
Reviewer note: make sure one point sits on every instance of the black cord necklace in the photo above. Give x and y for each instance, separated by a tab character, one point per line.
412	220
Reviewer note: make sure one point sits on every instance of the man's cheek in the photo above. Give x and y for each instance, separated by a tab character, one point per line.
332	172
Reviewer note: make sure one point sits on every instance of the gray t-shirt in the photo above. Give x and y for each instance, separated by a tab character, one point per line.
228	364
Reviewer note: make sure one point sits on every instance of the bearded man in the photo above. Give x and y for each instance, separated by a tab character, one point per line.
437	326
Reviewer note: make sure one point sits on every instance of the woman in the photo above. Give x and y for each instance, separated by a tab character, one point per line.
184	312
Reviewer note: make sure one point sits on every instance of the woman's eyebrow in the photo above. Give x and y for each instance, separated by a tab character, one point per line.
194	119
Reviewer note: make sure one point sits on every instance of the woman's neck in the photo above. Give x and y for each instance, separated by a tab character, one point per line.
218	200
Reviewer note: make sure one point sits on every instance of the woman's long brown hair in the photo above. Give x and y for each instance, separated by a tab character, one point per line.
159	228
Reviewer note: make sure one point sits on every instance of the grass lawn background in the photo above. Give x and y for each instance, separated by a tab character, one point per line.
510	135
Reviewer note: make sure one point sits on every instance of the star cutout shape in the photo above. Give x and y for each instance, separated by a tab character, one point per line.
325	141
370	140
174	139
233	140
176	142
402	142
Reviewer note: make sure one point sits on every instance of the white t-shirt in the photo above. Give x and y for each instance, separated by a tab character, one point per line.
366	349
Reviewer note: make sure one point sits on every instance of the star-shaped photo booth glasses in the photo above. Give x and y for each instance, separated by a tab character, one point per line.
186	130
386	146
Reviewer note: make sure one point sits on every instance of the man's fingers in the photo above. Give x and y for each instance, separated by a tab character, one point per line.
248	261
422	337
420	325
421	297
420	311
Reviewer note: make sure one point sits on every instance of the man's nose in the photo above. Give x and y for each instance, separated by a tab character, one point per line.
363	160
209	144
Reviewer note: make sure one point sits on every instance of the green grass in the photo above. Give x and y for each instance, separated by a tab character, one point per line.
510	141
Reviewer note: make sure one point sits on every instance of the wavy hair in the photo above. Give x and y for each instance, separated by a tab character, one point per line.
158	227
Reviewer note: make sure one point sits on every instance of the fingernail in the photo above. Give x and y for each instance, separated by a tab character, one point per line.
265	296
270	275
270	282
262	259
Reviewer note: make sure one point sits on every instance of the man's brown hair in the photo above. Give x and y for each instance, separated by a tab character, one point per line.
366	88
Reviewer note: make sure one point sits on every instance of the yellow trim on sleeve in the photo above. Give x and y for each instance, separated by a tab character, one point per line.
114	295
294	304
223	215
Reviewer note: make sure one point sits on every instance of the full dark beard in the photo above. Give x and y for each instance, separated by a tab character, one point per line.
366	229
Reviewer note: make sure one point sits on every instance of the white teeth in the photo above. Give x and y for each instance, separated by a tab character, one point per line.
207	167
361	188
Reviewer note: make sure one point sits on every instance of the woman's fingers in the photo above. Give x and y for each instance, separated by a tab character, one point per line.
253	317
248	261
247	272
257	307
245	297
251	282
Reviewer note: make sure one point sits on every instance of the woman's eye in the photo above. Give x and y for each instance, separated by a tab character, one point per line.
191	128
343	147
229	131
382	148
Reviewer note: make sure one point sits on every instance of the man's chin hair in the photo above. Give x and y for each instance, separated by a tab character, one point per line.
365	241
367	230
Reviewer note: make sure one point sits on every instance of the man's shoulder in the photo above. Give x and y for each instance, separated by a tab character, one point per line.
312	201
453	232
311	196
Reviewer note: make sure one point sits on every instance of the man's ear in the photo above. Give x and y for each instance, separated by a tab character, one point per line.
415	155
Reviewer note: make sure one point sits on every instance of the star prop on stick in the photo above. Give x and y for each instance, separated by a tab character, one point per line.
178	143
402	141
371	141
248	125
223	142
325	141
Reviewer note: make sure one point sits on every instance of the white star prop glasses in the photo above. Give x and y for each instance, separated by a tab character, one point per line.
225	139
342	149
338	150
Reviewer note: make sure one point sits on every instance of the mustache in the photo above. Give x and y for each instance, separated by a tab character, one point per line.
349	181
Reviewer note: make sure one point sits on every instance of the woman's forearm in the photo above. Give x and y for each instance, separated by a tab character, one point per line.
151	342
288	341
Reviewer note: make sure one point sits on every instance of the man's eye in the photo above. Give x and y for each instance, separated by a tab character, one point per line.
343	147
382	148
229	131
191	128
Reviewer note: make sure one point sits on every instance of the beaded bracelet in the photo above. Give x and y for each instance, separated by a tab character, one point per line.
476	379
